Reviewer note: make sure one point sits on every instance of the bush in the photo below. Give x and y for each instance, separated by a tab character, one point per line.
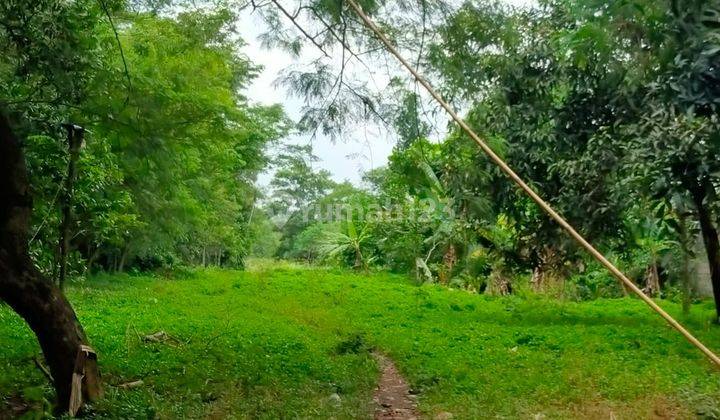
593	283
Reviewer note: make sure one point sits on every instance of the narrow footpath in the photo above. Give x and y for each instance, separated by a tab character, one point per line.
392	395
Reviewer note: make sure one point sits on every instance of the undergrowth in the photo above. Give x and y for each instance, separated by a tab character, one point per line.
277	342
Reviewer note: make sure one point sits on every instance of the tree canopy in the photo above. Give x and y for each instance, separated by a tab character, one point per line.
610	110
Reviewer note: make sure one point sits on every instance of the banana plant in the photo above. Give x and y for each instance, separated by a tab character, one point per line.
346	240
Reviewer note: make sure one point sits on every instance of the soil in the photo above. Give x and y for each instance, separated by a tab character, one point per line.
392	396
13	407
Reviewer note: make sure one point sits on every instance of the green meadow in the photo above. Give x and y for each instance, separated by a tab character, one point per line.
279	341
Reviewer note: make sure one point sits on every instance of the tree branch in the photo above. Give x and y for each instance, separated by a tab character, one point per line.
122	53
300	28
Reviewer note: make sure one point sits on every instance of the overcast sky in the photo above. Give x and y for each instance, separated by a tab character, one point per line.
368	146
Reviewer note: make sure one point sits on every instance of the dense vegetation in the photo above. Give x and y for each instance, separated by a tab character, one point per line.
608	109
584	100
274	342
172	148
610	112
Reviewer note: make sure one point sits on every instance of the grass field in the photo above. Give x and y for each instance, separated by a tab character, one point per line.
278	342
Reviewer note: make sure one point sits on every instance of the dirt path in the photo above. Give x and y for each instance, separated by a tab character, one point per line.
392	395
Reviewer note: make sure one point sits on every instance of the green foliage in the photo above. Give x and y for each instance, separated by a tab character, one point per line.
279	341
594	112
172	148
296	184
608	110
593	283
196	202
264	238
306	243
347	243
574	95
295	188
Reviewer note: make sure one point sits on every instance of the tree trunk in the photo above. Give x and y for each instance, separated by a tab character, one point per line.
537	281
712	244
75	138
358	259
546	274
35	298
91	259
686	244
685	280
499	284
449	261
123	257
652	280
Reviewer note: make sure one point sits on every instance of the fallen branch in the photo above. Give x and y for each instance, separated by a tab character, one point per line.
161	337
132	385
43	368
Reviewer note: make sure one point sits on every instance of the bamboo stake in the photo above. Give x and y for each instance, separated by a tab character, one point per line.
530	192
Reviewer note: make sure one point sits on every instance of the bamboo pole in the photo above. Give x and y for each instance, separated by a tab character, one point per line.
530	192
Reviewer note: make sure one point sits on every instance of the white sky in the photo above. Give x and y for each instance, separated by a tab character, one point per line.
368	147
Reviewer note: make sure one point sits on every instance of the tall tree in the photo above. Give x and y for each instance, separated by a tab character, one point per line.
47	47
295	187
673	149
173	149
33	296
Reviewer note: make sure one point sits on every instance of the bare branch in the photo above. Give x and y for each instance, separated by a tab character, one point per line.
122	53
300	28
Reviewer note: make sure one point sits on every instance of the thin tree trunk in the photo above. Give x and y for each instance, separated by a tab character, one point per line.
358	259
712	245
687	291
538	278
35	298
499	284
449	260
91	259
123	257
686	244
546	274
75	137
652	280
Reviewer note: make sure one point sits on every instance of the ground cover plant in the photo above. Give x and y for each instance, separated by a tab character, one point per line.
279	342
142	136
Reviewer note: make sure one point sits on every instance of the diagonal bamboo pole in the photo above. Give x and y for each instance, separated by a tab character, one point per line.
529	191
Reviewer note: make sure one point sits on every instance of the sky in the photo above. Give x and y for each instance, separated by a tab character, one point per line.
367	147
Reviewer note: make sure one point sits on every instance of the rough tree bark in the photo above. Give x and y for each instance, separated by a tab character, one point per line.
652	280
449	261
712	243
35	298
547	274
359	262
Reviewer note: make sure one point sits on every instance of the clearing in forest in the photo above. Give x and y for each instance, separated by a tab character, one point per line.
289	341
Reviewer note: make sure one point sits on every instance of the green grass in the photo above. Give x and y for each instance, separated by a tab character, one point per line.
276	342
